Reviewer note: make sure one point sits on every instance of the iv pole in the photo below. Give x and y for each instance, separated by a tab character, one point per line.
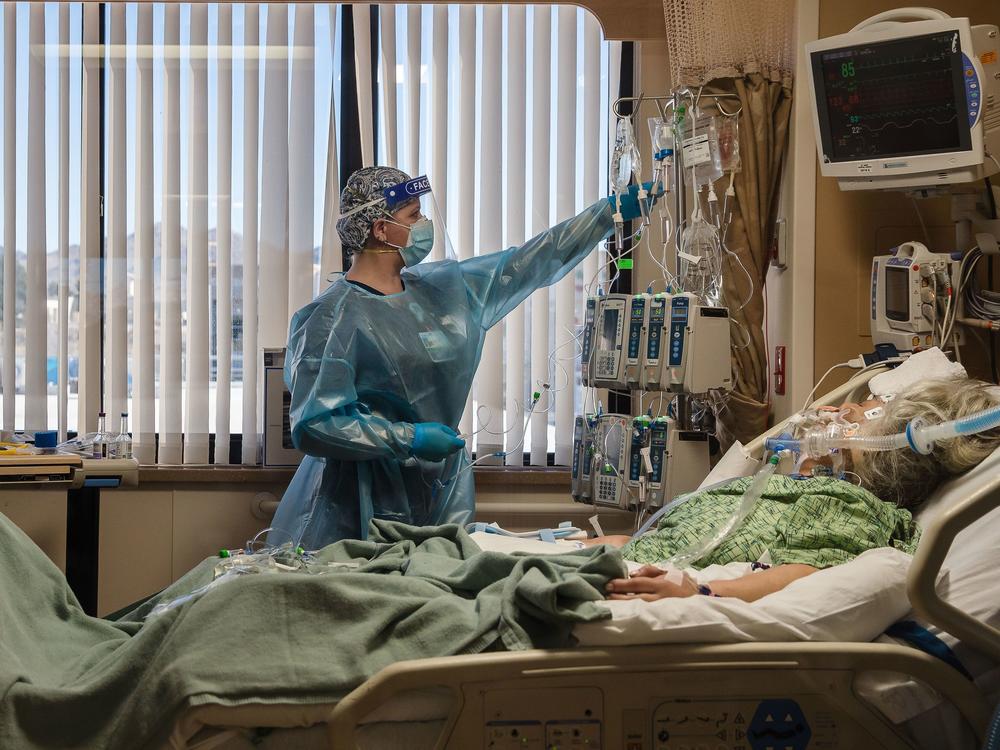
665	104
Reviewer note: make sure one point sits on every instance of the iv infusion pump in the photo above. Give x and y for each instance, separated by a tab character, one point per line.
910	288
615	454
655	342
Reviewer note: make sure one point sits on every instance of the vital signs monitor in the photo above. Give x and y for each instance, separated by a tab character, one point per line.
907	99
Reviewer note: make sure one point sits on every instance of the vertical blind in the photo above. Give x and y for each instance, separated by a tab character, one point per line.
519	145
217	192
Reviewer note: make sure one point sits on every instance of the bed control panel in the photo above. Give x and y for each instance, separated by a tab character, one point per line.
641	703
774	723
567	719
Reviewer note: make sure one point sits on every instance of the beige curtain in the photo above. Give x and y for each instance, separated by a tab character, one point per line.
764	121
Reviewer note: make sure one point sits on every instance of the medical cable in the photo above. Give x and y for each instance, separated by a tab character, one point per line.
438	485
484	424
891	360
543	388
746	333
753	286
674	503
992	741
920	218
233	564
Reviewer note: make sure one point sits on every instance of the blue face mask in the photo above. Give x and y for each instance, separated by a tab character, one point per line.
420	243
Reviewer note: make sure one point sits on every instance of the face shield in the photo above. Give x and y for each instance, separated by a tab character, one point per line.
411	207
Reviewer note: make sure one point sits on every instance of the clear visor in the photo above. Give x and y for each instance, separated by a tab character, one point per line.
398	207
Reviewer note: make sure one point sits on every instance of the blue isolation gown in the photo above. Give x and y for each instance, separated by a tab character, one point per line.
363	369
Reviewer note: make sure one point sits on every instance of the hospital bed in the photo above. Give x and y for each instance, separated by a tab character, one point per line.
668	697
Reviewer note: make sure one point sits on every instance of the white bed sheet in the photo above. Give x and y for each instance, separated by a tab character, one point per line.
852	602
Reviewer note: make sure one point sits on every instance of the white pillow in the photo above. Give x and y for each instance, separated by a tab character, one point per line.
851	602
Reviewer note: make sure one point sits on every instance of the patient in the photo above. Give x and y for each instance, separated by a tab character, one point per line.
801	525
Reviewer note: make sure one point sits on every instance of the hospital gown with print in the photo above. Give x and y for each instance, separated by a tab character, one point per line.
363	369
820	522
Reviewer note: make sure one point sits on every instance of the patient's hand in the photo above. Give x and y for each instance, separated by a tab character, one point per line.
617	540
650	583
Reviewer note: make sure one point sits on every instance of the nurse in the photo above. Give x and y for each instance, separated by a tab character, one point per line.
381	363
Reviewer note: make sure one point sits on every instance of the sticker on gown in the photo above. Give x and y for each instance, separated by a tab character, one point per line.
438	346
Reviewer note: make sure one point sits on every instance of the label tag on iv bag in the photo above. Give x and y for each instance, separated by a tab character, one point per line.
696	151
695	259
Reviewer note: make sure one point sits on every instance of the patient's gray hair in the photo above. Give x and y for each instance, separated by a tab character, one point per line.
907	478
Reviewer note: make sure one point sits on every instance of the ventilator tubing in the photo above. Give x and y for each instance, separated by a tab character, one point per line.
918	436
704	546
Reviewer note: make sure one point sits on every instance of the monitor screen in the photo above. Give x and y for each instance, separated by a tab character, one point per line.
900	97
897	293
609	329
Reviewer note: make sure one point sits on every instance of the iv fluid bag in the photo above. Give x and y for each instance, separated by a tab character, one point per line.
700	150
729	144
701	262
624	159
661	134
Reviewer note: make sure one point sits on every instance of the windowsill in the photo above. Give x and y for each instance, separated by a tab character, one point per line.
486	476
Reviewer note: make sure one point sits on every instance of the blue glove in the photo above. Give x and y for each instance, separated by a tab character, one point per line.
434	441
630	200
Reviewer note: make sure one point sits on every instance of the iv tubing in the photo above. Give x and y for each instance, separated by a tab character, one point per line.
704	546
701	548
673	504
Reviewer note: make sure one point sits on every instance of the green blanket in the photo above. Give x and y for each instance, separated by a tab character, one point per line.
69	680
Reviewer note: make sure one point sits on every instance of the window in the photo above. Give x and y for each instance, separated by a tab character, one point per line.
171	177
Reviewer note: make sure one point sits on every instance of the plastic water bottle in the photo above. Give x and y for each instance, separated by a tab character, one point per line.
122	445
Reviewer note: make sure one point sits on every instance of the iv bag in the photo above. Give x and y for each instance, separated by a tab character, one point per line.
729	144
661	136
624	159
700	149
701	262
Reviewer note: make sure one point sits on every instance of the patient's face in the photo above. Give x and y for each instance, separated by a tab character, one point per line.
858	413
866	411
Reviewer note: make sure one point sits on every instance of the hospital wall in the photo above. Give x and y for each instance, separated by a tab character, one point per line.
852	227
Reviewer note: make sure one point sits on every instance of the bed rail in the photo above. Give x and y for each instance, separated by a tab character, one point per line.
937	539
583	667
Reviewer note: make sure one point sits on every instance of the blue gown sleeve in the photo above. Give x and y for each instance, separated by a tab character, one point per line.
499	282
328	420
